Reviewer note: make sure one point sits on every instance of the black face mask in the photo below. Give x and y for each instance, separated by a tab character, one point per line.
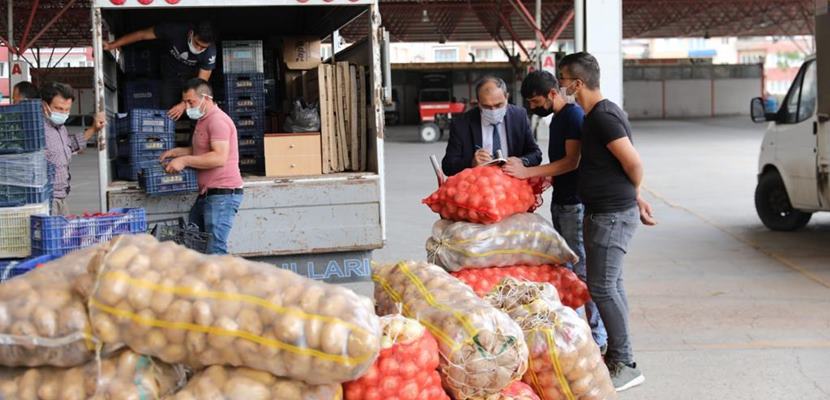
543	111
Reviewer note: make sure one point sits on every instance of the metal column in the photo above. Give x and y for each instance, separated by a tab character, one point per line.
10	24
100	106
579	25
538	50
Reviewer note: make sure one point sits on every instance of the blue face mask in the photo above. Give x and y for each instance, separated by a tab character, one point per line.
196	113
58	118
493	116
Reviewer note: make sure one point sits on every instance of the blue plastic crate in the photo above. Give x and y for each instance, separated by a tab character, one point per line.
15	196
251	145
245	104
141	60
249	122
12	268
128	169
242	56
145	146
157	182
145	120
244	85
252	164
142	93
21	127
58	235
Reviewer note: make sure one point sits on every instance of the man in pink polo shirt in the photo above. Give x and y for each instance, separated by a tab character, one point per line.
214	154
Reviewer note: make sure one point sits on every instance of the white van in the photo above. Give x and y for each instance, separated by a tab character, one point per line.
795	155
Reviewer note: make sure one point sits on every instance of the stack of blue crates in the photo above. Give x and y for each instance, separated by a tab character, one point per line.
245	99
141	137
25	175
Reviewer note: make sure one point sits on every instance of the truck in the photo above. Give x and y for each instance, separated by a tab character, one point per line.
794	162
436	107
323	226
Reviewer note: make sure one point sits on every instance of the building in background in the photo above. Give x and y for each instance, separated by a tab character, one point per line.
781	56
48	59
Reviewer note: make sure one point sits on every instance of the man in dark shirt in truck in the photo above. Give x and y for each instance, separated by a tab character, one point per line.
189	52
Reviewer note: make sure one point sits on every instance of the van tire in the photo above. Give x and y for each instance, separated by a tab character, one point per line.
773	205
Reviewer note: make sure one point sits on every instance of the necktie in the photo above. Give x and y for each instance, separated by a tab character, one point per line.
496	140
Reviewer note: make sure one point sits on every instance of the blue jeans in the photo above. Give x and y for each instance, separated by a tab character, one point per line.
607	236
214	215
567	219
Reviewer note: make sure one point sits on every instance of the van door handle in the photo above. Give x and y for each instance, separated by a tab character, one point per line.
815	127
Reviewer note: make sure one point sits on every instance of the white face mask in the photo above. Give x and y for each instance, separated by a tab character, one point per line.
193	48
569	98
493	116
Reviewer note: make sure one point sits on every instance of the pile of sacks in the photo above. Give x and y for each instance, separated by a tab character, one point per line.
135	318
488	231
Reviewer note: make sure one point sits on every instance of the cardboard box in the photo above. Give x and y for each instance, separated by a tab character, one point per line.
293	154
301	52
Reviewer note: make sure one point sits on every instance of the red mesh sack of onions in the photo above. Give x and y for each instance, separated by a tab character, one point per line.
407	367
485	195
573	292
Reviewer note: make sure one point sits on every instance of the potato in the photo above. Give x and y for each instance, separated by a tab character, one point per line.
155	342
202	313
473	370
209	272
46	322
139	265
95	380
334	338
48	391
140	298
26	304
221	310
195	342
162	299
242	388
289	329
530	239
249	321
551	322
55	298
105	329
229	383
180	311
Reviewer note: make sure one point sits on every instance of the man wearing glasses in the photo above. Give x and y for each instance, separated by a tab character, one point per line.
610	174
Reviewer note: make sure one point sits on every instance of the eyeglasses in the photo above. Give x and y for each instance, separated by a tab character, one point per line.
564	78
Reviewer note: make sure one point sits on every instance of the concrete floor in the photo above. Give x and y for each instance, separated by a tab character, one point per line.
721	307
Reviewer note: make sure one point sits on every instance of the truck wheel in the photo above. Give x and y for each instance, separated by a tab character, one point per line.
429	132
773	205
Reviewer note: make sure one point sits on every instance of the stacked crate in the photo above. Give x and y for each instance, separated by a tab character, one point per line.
142	89
142	136
244	94
25	179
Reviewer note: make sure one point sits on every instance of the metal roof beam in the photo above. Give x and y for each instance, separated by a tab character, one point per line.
48	25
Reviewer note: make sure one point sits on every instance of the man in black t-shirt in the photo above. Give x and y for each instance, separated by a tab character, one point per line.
543	94
610	174
189	52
